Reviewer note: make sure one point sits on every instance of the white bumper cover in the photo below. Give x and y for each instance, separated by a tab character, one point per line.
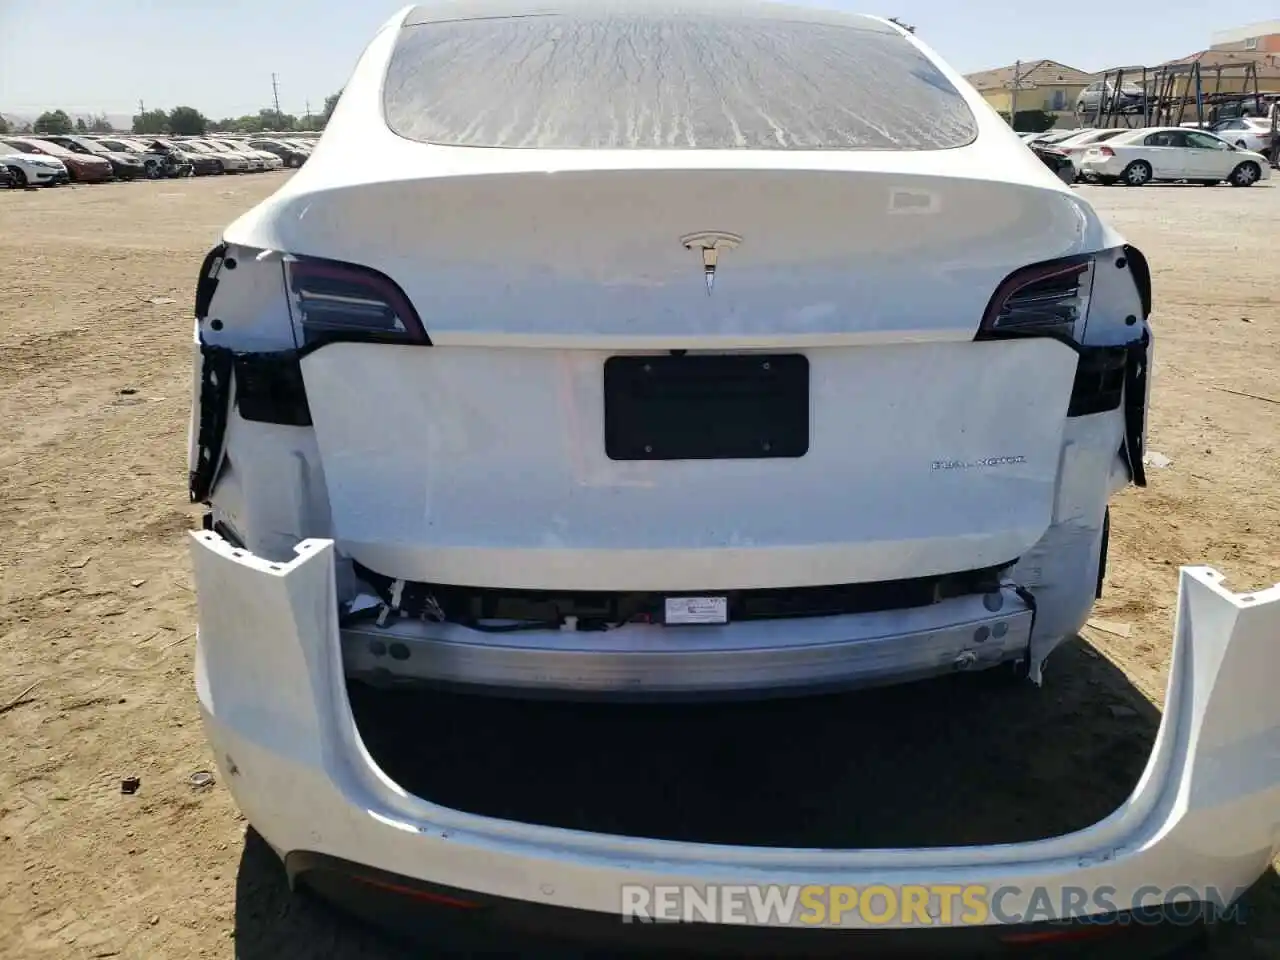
1205	815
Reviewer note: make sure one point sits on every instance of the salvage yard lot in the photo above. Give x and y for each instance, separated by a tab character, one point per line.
97	612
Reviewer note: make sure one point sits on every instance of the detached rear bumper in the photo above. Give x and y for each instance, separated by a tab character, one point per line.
1202	824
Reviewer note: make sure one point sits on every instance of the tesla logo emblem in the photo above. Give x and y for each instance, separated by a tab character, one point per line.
710	244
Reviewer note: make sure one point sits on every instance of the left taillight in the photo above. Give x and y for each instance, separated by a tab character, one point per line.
332	300
1044	299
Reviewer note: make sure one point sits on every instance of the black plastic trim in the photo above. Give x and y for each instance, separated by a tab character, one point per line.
1141	271
1135	408
1099	382
215	391
1102	551
207	284
270	388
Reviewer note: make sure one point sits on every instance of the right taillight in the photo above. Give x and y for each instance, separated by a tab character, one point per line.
332	300
1044	299
1106	151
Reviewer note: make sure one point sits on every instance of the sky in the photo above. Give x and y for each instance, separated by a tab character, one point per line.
104	56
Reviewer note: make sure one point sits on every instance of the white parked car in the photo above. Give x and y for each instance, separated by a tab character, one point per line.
1077	145
1247	133
1141	156
670	373
266	160
30	169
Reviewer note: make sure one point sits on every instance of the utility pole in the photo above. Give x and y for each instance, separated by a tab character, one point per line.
275	92
1013	94
141	108
1014	86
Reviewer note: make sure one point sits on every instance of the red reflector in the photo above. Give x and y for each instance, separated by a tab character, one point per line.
426	895
1029	937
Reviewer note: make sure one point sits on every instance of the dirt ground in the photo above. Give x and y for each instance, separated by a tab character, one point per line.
97	612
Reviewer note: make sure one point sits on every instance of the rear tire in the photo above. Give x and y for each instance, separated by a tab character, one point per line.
1245	175
153	171
1136	174
19	178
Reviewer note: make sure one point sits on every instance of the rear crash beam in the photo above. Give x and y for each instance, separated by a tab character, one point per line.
747	657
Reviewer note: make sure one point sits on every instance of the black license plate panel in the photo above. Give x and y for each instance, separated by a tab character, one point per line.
706	407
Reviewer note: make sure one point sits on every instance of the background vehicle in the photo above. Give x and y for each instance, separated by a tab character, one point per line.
28	169
292	154
268	161
228	161
158	161
202	163
1057	136
124	165
1129	98
1139	157
81	167
1076	145
248	163
1247	133
1056	160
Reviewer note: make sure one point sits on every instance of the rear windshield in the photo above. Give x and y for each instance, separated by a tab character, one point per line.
679	81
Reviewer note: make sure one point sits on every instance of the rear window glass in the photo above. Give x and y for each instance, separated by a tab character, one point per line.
680	81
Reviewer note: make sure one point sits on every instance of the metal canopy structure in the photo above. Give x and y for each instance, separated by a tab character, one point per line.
1177	93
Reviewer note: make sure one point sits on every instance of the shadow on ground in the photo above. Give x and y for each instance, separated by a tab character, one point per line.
956	761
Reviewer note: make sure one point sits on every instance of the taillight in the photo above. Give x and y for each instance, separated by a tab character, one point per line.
1044	299
331	300
1106	151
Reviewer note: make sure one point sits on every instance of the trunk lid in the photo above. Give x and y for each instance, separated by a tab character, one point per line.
485	459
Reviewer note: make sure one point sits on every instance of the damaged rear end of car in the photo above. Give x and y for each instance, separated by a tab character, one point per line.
674	388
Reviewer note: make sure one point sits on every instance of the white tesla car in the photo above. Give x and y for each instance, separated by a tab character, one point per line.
1139	157
686	351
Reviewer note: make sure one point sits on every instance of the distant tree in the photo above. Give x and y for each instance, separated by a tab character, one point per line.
187	122
23	129
4	126
1031	121
330	102
54	122
271	120
155	122
100	124
81	126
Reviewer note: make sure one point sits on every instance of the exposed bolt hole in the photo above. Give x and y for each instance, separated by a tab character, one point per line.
1249	599
981	635
993	601
1130	320
377	648
999	630
215	323
1121	262
399	651
229	263
237	554
274	566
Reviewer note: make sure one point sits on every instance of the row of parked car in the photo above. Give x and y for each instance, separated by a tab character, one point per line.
31	161
1173	154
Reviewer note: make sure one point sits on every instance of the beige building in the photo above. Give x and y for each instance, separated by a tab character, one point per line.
1261	37
1042	85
